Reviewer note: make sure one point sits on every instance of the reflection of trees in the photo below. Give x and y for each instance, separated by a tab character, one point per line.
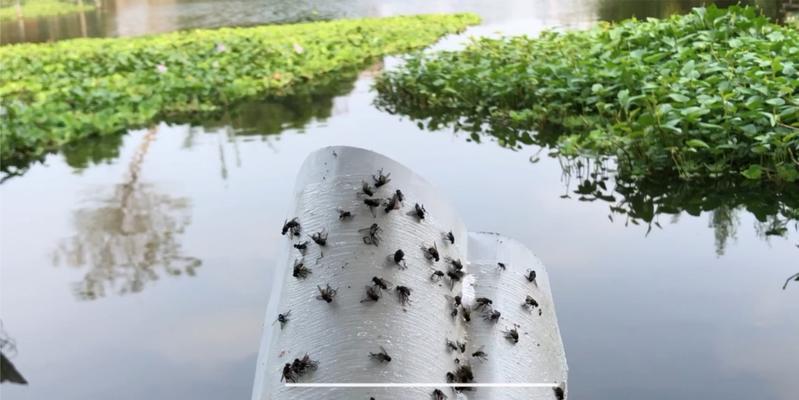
8	348
643	201
128	237
615	10
293	109
84	153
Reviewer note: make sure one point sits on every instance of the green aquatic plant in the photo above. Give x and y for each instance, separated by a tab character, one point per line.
54	94
41	8
706	95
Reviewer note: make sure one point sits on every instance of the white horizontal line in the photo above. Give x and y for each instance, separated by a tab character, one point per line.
426	385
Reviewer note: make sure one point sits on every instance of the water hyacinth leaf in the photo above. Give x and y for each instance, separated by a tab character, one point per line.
56	93
753	172
696	143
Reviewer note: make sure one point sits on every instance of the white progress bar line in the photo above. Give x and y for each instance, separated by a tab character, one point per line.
426	385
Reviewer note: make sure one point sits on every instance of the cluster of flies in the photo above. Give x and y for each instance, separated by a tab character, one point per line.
371	235
453	272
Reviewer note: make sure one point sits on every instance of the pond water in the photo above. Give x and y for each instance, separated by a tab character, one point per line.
140	266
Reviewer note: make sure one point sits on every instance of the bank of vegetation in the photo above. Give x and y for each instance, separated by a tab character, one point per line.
54	94
40	8
710	94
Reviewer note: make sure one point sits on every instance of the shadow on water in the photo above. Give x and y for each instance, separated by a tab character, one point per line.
124	241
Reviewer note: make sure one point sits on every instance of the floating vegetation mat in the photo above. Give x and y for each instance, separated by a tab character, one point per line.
709	94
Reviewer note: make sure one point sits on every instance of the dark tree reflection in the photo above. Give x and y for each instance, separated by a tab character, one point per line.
131	239
8	349
646	201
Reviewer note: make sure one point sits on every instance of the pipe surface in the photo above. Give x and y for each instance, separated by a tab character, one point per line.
342	334
538	355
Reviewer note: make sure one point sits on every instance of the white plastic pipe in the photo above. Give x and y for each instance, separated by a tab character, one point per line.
340	335
538	356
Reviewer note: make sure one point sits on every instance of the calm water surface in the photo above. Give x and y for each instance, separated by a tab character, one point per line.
140	266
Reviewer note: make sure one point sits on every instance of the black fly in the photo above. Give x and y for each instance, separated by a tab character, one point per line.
403	294
381	179
302	365
381	283
531	276
512	334
456	302
457	265
530	303
294	370
344	214
320	238
418	212
480	354
372	234
327	294
372	203
482	302
372	294
436	275
450	237
463	374
399	259
456	346
292	226
382	356
301	247
283	318
492	315
451	346
300	270
501	266
288	374
394	202
454	273
559	395
438	395
467	313
367	190
431	253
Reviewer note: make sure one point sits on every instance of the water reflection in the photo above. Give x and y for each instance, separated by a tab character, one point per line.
126	239
614	10
640	201
293	109
140	17
8	348
644	201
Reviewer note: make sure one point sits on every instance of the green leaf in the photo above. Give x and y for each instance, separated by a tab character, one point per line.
679	97
754	172
775	101
696	143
